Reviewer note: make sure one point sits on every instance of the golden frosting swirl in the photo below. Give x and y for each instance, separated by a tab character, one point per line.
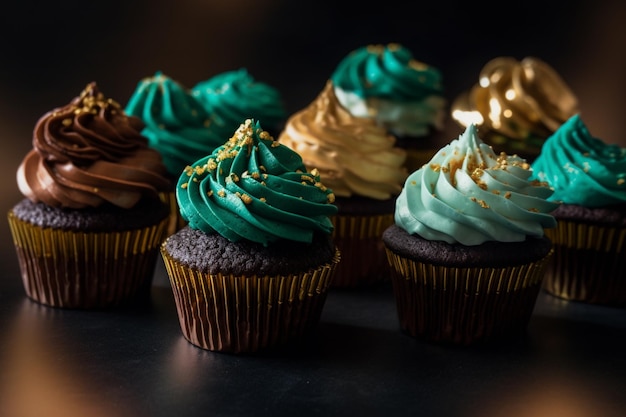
354	155
90	152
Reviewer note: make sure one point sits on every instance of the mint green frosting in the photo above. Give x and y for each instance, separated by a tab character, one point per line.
256	189
469	195
582	169
387	83
233	96
176	124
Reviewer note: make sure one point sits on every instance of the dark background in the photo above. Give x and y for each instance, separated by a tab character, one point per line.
50	50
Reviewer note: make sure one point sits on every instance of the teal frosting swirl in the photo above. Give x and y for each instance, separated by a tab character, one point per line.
254	188
386	83
582	169
469	195
177	125
233	96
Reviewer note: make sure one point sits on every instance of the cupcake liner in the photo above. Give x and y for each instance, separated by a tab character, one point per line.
464	305
176	221
589	263
363	259
85	270
244	314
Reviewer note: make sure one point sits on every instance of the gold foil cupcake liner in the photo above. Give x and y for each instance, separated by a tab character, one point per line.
176	221
589	263
82	270
363	259
464	305
244	314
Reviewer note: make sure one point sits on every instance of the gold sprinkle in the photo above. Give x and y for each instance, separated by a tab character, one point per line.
184	185
330	198
262	200
96	190
507	195
221	193
67	122
481	203
621	181
210	193
246	198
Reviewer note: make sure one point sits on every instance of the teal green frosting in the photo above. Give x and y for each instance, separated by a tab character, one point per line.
176	124
233	96
256	189
582	169
387	71
469	195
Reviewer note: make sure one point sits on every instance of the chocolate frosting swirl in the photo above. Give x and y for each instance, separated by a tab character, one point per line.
88	153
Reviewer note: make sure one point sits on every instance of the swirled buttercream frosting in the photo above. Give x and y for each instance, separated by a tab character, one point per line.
387	83
354	155
469	195
176	124
254	188
517	104
233	96
88	153
582	169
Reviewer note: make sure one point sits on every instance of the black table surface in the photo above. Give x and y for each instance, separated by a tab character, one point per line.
135	362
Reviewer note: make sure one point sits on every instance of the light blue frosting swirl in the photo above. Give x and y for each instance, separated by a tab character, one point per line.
469	195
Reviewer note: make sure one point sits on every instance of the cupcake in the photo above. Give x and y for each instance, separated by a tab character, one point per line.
88	230
233	96
517	104
176	125
589	179
467	249
405	96
252	268
359	161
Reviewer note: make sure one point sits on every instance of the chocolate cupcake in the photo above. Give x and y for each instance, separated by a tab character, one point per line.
87	232
589	179
467	250
252	268
359	161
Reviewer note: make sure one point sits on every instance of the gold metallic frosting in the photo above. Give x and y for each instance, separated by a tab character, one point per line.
354	155
516	104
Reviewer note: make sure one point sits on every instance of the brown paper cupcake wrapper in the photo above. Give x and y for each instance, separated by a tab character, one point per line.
464	305
243	314
363	259
589	263
70	269
176	221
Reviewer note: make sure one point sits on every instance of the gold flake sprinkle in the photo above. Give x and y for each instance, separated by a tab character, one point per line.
67	122
621	181
221	193
184	185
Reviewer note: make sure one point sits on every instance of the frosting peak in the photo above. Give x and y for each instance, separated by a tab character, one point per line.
254	188
89	152
469	195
